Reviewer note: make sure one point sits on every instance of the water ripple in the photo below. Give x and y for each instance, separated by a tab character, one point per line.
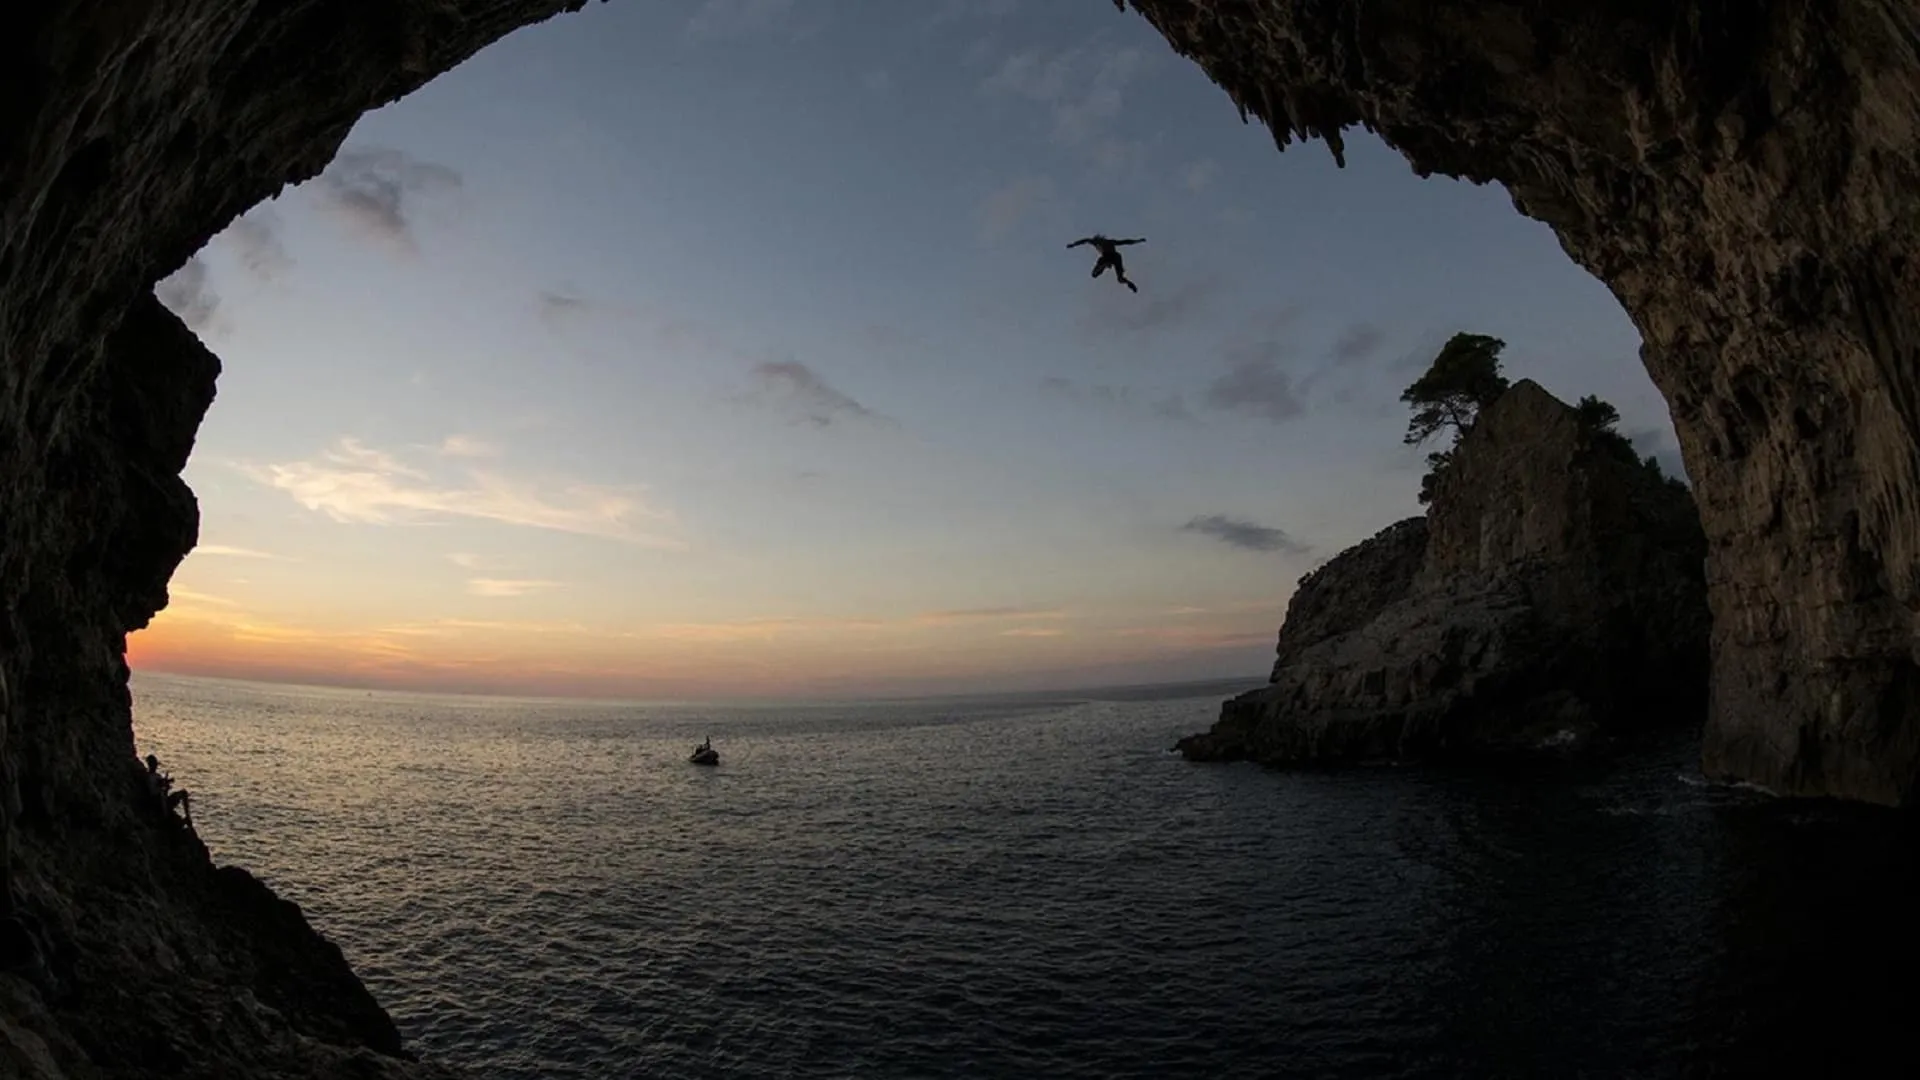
548	890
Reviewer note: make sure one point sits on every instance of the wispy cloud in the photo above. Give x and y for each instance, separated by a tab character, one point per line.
799	390
1166	406
229	551
1011	203
357	484
1358	342
1246	535
1256	385
378	190
255	239
1198	176
1111	312
988	614
455	627
1083	90
179	595
887	338
508	586
716	19
1196	637
467	560
188	293
764	628
739	630
1659	444
557	306
467	446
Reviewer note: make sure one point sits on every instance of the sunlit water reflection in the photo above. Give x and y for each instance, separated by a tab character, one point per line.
1035	889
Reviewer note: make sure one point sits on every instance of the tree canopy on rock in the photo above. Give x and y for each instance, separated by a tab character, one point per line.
1463	379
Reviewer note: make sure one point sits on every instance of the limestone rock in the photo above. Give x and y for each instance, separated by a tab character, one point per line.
130	133
1554	591
1745	178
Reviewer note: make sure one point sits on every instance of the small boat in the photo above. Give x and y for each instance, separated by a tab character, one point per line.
705	754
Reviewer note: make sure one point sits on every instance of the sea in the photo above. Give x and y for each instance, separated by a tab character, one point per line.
1035	886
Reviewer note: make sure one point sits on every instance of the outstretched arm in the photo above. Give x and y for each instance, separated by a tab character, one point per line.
1082	240
1123	243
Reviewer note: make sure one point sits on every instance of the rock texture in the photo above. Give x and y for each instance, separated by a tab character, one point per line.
130	133
1741	174
1745	176
1555	590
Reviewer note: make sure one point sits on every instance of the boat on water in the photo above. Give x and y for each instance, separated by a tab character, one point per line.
705	754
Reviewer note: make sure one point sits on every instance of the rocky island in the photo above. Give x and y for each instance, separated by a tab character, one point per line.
1743	177
1554	591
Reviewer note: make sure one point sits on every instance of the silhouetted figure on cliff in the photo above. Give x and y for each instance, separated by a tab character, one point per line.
157	782
160	787
1109	256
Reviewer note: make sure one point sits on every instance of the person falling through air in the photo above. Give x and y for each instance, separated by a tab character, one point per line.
1109	256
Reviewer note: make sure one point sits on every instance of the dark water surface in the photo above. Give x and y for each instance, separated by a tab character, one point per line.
1038	889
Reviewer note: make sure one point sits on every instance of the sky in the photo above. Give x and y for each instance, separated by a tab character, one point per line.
720	349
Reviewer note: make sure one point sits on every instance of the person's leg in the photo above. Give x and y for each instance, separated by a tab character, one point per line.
1100	267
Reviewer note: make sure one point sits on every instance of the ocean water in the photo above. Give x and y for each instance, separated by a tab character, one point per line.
1035	887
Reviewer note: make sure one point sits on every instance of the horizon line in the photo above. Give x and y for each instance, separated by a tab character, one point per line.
1081	690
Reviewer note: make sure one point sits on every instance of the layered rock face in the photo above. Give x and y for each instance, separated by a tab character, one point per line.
1745	177
129	134
1555	590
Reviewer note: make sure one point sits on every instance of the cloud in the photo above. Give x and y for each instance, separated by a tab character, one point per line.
228	551
884	337
1659	444
378	189
1083	90
452	627
1113	312
1246	535
1200	175
187	293
255	238
467	561
355	484
1255	385
794	386
1009	204
557	307
1357	342
751	629
1034	632
505	587
467	446
716	19
988	614
179	595
1169	406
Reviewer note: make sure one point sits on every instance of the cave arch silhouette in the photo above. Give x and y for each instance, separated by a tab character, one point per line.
1740	173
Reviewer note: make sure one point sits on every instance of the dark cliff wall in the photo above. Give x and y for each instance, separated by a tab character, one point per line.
1743	175
1555	591
1351	589
131	132
1740	172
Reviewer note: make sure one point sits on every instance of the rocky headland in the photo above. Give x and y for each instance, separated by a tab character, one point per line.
1555	591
